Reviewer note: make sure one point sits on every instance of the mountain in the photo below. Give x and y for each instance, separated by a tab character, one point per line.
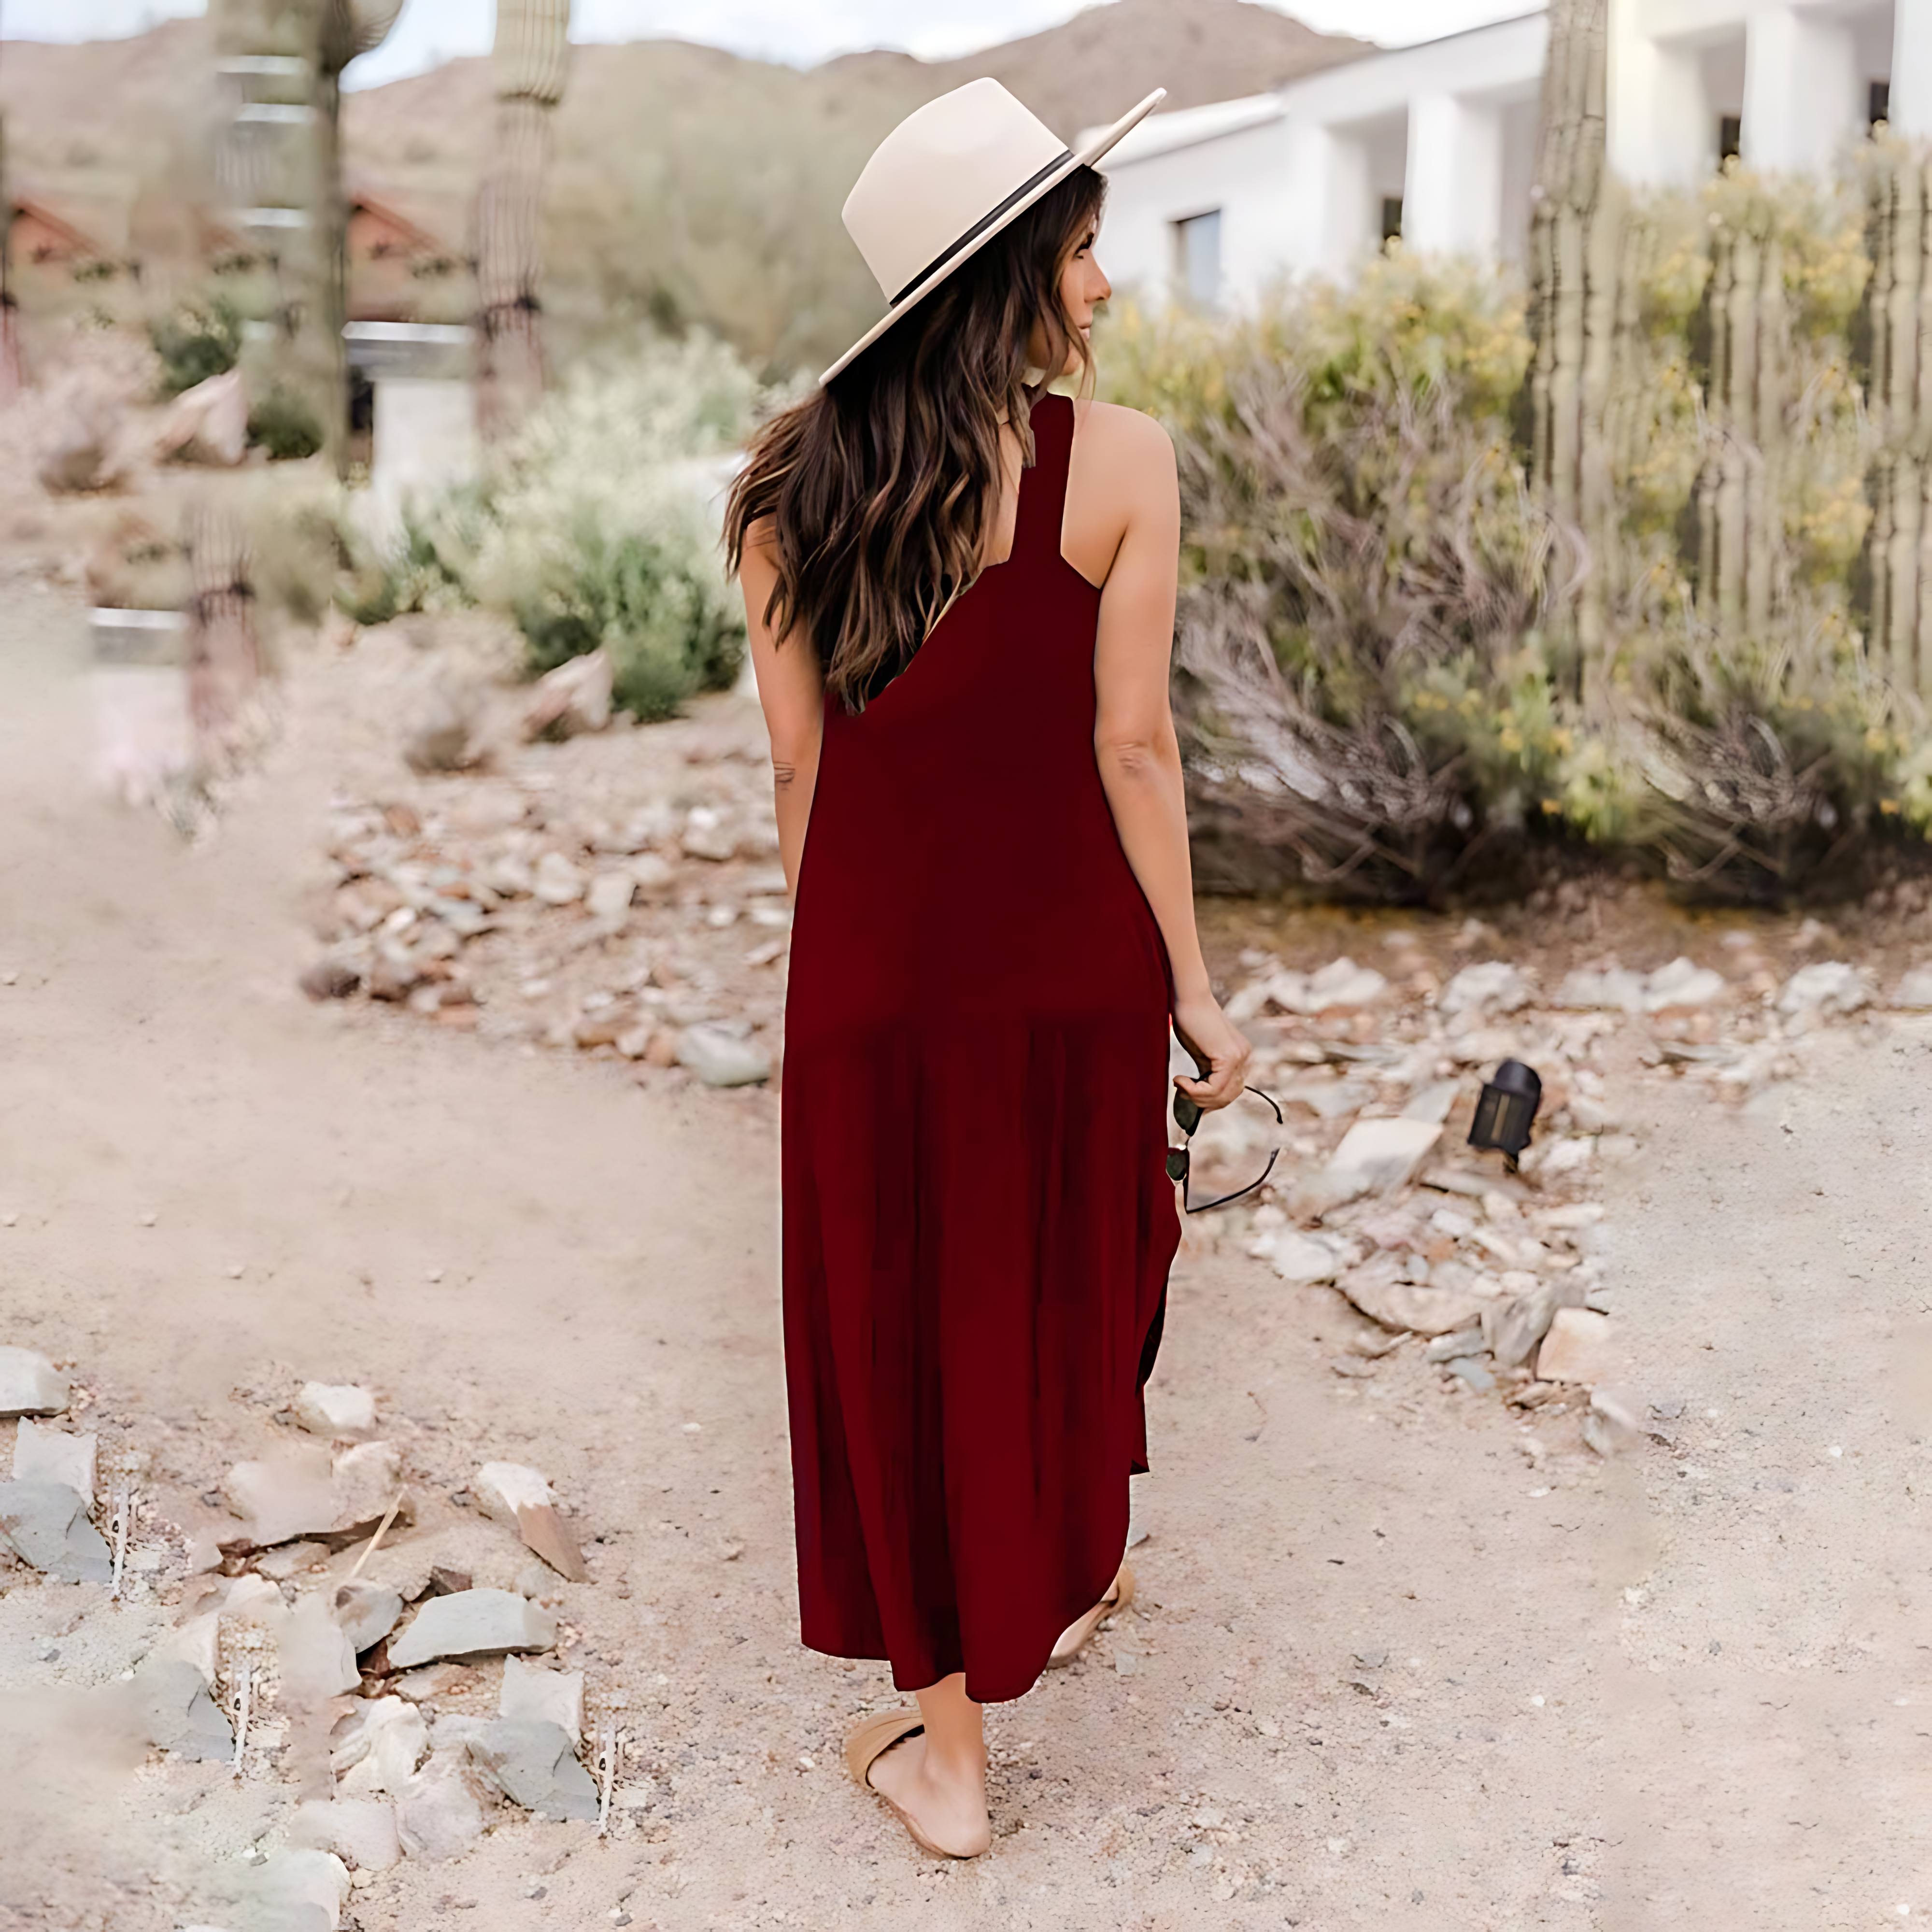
688	184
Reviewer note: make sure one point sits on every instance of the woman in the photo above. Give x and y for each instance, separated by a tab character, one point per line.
960	590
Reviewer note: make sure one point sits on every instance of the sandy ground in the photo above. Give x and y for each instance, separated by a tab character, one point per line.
1388	1666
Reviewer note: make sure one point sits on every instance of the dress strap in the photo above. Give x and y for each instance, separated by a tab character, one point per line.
1042	510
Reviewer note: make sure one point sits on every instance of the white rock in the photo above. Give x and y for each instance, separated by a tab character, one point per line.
1580	1347
653	872
197	1641
361	1830
366	1613
340	1411
318	1662
46	1525
473	1623
558	882
501	1488
549	1697
298	1885
1433	1102
30	1385
719	1059
1612	991
706	836
302	1492
1682	983
44	1455
574	697
1375	1156
1449	1221
1302	1259
1829	988
439	1811
611	895
381	1752
1915	991
1494	987
1400	1304
1567	1157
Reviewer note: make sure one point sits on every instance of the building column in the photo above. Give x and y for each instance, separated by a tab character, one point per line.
1660	131
1802	97
1910	112
1452	194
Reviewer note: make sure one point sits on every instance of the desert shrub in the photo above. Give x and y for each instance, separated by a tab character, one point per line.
284	424
195	340
1359	678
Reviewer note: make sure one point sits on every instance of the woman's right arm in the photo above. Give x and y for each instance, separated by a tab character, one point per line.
791	690
793	694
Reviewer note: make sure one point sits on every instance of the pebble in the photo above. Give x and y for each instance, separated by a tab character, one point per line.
46	1455
367	1612
1915	991
1398	1304
440	1810
1829	988
610	895
1579	1347
46	1524
1467	1368
1682	983
529	1691
473	1623
1494	987
718	1059
30	1385
533	1763
342	1410
557	882
1375	1156
1303	1259
175	1710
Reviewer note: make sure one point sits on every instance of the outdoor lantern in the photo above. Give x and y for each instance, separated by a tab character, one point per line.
1505	1110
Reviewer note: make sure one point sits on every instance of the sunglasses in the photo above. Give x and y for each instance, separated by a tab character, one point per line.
1187	1112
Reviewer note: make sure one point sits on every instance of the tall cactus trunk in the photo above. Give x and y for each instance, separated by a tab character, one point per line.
530	60
1900	311
1572	307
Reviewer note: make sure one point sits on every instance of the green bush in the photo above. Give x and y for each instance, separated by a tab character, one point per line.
195	340
284	424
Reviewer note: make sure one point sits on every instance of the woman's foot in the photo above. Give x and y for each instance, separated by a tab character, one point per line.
945	1798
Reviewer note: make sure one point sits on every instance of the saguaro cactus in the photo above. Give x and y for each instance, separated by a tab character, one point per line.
1899	397
531	60
1572	272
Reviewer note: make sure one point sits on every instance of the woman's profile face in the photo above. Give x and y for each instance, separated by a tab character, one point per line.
1083	282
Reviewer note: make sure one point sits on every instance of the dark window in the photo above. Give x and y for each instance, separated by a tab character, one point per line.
1391	218
1730	137
1880	102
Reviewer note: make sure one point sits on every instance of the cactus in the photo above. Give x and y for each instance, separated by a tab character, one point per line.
530	59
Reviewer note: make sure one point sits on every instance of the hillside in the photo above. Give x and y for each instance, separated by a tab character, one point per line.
689	185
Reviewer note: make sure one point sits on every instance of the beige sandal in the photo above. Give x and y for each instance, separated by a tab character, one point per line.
869	1743
1074	1640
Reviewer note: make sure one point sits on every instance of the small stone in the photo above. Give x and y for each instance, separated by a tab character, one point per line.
1375	1290
331	979
1447	1347
720	1060
1512	1329
1579	1347
534	1764
45	1455
317	1662
1303	1259
1611	991
46	1524
290	1560
1829	989
546	1696
473	1623
340	1411
360	1830
514	1493
30	1385
1468	1370
1433	1104
446	1581
366	1613
1915	991
652	873
382	1750
439	1811
1682	983
575	697
558	883
610	895
176	1711
395	975
433	1680
302	1492
707	836
1375	1156
1495	987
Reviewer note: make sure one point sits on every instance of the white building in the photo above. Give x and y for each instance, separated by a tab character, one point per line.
1436	142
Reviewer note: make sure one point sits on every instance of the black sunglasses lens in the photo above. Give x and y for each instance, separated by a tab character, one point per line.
1176	1163
1186	1111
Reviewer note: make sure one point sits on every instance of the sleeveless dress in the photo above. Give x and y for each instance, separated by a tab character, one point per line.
977	1221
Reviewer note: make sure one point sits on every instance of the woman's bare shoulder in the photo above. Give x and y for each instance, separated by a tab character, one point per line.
1123	434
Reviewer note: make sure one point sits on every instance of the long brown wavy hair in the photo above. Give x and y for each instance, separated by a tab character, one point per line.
880	486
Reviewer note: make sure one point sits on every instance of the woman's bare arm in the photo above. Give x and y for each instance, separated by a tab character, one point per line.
791	689
1134	739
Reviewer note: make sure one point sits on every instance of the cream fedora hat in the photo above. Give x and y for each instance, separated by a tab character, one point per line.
946	181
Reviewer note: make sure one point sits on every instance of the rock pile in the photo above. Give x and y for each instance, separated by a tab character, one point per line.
1499	1278
284	1656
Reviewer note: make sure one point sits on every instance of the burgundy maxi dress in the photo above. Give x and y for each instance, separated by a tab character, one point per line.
978	1224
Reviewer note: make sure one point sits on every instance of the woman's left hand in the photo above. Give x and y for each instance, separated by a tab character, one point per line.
1217	1045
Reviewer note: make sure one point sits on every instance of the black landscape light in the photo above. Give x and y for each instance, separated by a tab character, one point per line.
1505	1110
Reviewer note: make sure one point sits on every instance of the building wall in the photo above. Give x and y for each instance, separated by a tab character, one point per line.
1301	177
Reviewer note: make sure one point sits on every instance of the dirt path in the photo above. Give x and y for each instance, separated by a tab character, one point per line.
1384	1670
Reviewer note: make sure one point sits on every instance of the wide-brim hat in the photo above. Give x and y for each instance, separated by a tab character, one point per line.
947	179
